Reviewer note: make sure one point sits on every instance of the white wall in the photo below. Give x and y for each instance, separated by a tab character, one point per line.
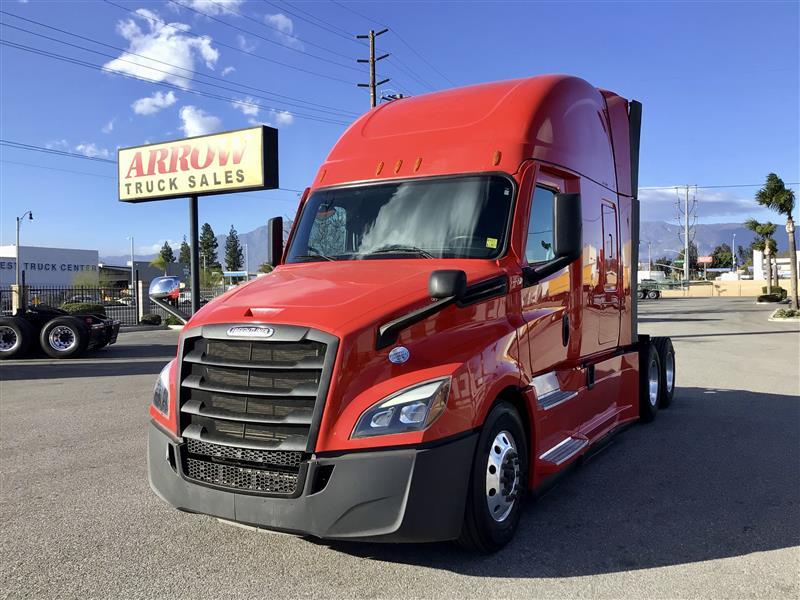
47	266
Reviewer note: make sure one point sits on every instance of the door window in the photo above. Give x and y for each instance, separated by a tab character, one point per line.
539	245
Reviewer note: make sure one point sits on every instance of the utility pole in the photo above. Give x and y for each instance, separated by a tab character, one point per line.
134	287
686	238
649	261
733	255
373	84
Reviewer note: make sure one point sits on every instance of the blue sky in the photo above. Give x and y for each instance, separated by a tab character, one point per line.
719	83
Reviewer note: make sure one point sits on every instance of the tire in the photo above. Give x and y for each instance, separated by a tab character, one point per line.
64	337
502	450
16	336
649	383
652	295
666	354
642	294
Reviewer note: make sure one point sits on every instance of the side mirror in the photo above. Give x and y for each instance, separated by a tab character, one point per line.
567	238
162	288
447	284
275	241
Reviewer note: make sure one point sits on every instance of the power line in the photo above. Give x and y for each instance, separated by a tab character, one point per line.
708	187
280	31
45	150
399	37
24	164
203	93
236	48
284	98
328	110
249	32
327	27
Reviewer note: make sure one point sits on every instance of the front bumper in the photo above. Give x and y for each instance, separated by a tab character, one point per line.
400	495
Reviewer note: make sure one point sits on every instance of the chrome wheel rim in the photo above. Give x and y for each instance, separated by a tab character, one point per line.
8	339
669	371
502	476
652	382
62	338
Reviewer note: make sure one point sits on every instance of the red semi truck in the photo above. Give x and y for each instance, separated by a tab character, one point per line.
451	324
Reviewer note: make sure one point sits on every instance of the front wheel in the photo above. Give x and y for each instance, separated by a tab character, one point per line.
64	337
666	354
497	483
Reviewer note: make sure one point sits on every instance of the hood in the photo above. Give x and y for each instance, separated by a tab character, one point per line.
336	296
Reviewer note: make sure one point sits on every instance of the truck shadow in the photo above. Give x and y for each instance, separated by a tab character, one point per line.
714	476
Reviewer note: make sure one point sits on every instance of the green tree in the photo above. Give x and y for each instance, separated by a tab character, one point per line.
208	248
159	263
776	196
764	240
233	251
167	254
184	256
722	256
265	267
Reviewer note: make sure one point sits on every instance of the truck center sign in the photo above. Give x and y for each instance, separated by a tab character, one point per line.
233	161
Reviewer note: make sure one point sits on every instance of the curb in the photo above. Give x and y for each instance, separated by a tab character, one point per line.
180	327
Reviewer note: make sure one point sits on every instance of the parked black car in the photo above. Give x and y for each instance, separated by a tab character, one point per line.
59	334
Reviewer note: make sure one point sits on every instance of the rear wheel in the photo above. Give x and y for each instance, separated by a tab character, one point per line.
497	483
666	354
652	294
649	383
64	337
16	335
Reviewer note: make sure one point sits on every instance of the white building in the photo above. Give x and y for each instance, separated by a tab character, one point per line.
49	266
784	266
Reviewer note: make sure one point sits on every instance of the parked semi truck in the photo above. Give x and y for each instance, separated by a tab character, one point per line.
451	325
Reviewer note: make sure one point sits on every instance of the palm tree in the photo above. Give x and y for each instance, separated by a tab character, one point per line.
764	240
776	196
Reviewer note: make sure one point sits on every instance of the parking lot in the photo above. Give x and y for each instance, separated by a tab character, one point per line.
705	502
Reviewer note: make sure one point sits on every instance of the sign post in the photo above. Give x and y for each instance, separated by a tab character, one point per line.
222	163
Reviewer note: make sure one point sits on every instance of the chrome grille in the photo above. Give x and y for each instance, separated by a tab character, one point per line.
248	407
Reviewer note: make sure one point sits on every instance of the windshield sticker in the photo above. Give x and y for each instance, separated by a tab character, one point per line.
491	242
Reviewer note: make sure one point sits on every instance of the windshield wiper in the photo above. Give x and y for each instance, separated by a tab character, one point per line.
314	256
401	249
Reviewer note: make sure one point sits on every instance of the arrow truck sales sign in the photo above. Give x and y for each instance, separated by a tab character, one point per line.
233	161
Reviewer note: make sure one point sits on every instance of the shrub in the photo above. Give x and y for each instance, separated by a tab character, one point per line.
786	313
79	308
776	291
172	320
150	320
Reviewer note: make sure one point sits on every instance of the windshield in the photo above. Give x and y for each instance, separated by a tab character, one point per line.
464	217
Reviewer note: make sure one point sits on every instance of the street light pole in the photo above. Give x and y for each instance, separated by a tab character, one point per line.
28	214
134	291
733	254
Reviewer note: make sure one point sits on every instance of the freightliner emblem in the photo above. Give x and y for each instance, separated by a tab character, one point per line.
251	331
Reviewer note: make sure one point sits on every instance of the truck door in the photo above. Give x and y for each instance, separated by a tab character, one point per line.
607	292
545	304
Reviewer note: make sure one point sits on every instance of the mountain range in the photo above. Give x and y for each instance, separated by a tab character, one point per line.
665	239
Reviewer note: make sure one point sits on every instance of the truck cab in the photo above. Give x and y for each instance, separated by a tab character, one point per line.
451	324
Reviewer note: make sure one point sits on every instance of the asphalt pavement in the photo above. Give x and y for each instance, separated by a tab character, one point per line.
704	502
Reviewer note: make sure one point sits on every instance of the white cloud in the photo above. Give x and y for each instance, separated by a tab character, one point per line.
152	104
167	43
249	109
227	71
712	205
197	122
155	247
213	7
92	150
109	127
277	118
57	145
285	29
245	44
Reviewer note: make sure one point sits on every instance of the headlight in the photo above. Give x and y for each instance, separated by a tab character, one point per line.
161	391
411	409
